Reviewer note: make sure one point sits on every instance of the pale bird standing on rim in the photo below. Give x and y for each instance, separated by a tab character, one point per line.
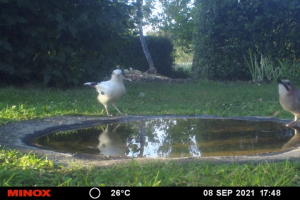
289	97
110	91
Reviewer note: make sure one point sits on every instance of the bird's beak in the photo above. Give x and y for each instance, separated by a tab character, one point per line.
280	81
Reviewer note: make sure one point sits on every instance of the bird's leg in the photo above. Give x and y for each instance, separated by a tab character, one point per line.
105	106
296	119
116	128
290	123
118	109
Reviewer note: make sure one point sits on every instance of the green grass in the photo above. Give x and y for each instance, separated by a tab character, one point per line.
205	97
222	99
17	169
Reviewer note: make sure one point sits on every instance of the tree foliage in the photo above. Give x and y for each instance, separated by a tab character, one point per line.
175	18
61	42
225	32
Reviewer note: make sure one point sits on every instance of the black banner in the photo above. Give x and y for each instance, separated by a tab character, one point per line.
142	192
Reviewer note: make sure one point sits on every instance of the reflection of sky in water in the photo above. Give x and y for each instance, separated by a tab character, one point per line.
184	138
152	149
177	138
194	150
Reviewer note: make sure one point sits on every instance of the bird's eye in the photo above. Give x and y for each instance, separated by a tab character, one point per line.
288	83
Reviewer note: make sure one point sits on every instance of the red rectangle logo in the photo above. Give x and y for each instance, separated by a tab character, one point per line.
28	193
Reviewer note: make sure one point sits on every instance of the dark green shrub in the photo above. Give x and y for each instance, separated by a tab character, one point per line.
227	30
180	73
61	42
161	50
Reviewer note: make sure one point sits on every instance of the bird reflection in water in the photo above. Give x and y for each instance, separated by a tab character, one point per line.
110	143
294	141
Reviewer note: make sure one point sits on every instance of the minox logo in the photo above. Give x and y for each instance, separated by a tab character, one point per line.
28	193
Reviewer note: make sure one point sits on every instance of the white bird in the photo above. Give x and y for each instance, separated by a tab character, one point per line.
289	97
110	91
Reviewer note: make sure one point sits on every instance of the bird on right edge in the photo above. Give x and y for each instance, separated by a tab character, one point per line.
289	98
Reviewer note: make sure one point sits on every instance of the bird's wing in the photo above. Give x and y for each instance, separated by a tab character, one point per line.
101	87
105	87
108	88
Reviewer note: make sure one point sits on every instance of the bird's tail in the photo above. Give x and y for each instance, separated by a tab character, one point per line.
93	84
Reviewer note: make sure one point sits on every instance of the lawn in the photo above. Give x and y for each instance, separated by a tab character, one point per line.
194	98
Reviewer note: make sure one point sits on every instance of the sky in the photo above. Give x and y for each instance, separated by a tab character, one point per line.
157	9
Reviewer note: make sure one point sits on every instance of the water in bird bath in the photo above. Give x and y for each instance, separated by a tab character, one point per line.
188	137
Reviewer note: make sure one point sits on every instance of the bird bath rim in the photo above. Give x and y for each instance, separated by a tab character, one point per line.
17	134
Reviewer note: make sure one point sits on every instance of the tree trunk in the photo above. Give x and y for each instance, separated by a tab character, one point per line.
142	38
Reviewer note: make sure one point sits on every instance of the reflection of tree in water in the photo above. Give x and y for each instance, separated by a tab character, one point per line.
194	137
179	139
176	138
239	136
168	137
